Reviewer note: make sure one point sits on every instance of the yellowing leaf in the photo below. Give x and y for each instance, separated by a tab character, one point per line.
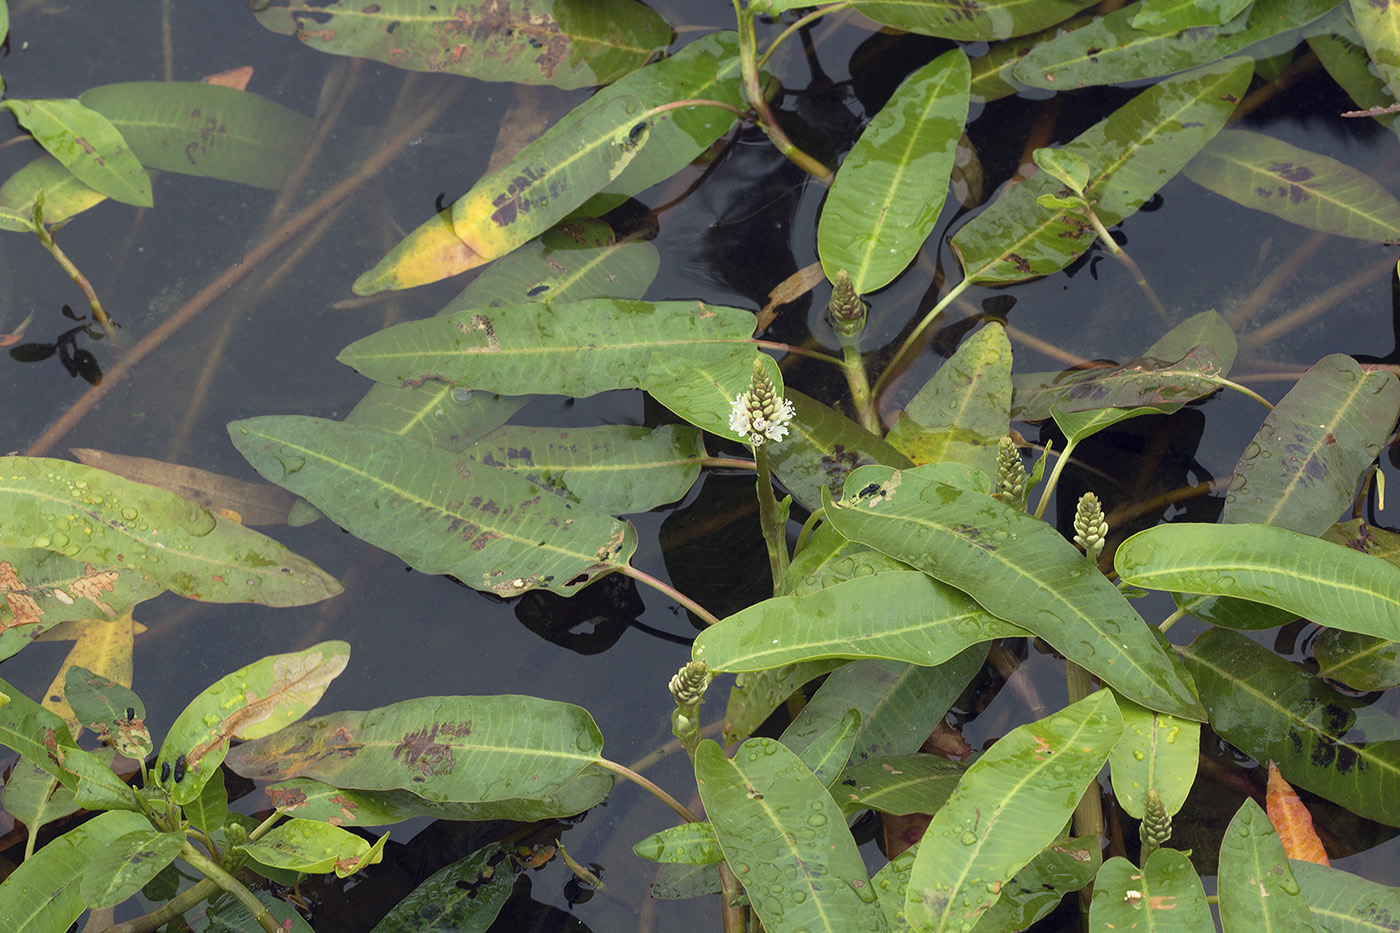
1291	818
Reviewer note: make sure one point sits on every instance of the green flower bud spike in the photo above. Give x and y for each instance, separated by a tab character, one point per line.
846	309
1090	529
1156	827
1011	475
688	689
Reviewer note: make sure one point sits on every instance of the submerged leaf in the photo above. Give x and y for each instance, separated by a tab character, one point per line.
969	22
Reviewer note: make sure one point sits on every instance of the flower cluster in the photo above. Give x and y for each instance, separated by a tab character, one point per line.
761	413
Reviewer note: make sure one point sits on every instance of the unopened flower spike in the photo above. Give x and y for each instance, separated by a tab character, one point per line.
846	309
1011	474
1090	528
760	414
688	688
1156	827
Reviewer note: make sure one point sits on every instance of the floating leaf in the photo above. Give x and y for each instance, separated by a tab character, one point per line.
611	468
1339	900
823	448
122	867
1133	152
551	42
41	588
252	702
1301	187
574	260
65	196
570	348
43	895
1380	31
686	844
1347	61
1019	569
112	522
994	19
519	201
1176	15
1164	895
491	529
900	615
306	846
1361	662
1157	752
898	784
784	838
205	130
1012	802
1292	820
1257	889
1137	383
1269	709
463	749
1301	469
463	896
1110	50
703	391
1316	579
961	414
891	185
313	800
87	144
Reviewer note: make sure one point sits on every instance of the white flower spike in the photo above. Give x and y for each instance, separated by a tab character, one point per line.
760	414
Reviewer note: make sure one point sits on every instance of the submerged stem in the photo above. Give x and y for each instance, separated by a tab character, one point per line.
1054	477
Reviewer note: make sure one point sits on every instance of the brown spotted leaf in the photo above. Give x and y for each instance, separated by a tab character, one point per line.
460	749
252	702
1139	382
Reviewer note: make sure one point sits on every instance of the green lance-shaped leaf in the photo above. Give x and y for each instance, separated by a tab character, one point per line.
308	846
961	414
491	529
1329	584
1165	895
204	130
1133	152
995	19
313	800
551	42
1257	887
1011	803
1379	26
686	844
88	145
113	712
35	798
123	867
898	784
827	753
34	732
460	748
1269	709
252	702
1111	50
823	448
1021	570
900	615
65	195
702	390
785	840
1339	900
1302	187
611	468
1157	752
570	348
463	897
1202	340
890	188
1176	15
538	188
111	522
1348	63
44	894
1301	469
1361	662
754	697
44	588
900	704
209	810
99	787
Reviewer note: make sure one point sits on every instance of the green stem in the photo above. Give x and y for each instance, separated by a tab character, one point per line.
895	366
1088	813
733	463
753	92
807	20
800	351
807	528
172	909
771	517
1171	620
694	102
1054	478
650	787
233	886
99	314
1243	390
732	910
859	383
641	576
1128	263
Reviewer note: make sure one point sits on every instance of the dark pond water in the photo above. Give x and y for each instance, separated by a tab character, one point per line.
268	346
